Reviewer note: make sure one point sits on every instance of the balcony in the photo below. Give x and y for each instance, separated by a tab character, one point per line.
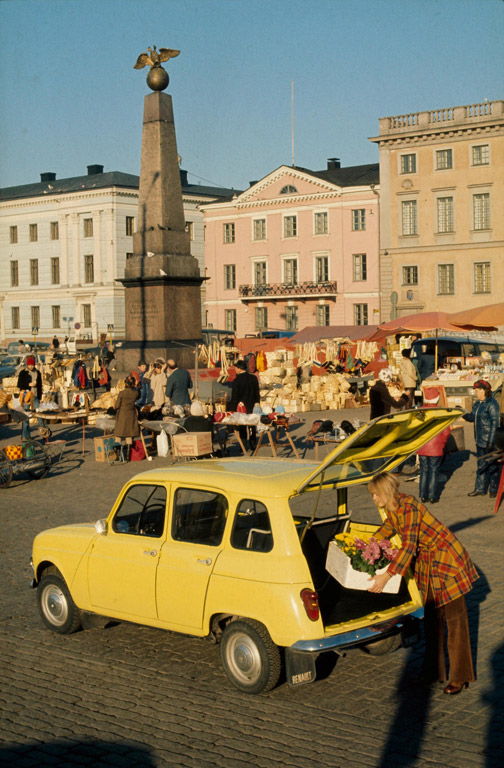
274	291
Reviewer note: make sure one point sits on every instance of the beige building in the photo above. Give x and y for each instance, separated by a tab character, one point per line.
441	209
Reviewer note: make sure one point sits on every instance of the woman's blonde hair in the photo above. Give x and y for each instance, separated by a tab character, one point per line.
387	486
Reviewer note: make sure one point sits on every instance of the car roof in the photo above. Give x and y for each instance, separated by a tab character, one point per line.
275	479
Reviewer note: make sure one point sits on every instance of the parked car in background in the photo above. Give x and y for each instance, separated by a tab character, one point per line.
235	550
8	366
454	346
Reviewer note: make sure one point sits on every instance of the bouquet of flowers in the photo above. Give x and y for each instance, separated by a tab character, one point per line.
366	556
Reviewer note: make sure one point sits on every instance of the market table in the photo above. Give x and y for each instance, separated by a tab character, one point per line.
282	429
66	417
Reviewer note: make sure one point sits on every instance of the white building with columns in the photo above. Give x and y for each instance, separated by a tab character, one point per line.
63	246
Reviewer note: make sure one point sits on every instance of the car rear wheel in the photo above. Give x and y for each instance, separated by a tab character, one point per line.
384	646
249	656
57	609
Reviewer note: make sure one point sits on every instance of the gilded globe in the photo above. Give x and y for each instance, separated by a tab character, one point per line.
158	79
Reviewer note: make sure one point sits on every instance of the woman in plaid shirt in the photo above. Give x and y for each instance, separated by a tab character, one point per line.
443	571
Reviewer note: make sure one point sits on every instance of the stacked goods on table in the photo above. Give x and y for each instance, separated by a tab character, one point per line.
279	386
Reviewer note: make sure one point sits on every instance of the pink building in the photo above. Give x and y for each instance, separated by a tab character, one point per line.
297	248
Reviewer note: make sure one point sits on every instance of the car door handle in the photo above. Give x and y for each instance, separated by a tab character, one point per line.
152	552
206	561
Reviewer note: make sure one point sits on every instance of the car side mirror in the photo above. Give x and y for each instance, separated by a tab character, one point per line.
101	526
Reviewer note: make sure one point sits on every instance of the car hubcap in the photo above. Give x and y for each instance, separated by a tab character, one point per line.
244	658
54	605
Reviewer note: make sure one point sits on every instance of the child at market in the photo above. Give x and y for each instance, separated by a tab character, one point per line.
431	455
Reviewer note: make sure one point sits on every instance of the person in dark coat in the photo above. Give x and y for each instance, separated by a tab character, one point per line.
30	380
196	421
178	385
485	415
126	427
380	399
245	389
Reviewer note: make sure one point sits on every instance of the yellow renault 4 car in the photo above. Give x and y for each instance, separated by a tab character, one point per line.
235	549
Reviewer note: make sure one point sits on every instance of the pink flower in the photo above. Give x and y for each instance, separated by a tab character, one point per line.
359	544
372	552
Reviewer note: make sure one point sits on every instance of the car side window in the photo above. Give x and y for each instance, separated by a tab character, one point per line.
251	527
142	511
199	516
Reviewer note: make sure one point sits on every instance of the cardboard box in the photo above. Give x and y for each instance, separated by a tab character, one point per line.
192	444
99	447
340	567
465	401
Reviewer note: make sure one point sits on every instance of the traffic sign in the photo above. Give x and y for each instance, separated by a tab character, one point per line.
34	330
77	326
110	327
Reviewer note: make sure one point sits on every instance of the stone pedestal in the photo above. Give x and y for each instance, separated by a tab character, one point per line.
162	279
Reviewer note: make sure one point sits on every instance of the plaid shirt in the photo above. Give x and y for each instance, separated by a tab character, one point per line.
440	557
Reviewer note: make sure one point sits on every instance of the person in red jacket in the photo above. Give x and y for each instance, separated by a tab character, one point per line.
431	455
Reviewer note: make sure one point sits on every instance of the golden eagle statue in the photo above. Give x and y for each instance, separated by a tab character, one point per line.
154	57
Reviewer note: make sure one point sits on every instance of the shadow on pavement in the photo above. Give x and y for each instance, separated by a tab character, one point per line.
74	752
495	737
451	462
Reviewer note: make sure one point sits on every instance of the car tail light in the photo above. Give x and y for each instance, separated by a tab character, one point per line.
311	604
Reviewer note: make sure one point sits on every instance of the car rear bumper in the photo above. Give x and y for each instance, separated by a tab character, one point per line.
357	636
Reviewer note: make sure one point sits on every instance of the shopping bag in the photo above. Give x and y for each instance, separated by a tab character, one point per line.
162	444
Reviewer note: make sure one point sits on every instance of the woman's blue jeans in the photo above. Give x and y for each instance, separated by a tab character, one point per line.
429	472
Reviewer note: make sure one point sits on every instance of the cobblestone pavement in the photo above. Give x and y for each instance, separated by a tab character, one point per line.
133	696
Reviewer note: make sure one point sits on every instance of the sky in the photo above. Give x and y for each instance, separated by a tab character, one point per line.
69	96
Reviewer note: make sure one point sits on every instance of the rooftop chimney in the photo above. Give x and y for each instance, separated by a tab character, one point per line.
183	178
49	176
251	183
94	170
332	163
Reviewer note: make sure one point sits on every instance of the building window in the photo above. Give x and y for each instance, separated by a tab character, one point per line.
229	277
35	318
445	214
129	255
481	211
259	229
290	271
86	315
482	277
446	279
229	233
34	272
409	217
410	275
481	154
321	223
33	233
55	271
14	274
230	320
291	318
56	316
15	318
321	269
261	318
13	234
130	223
190	229
89	268
290	226
288	190
358	219
408	163
259	273
323	314
54	230
360	312
444	159
88	227
359	267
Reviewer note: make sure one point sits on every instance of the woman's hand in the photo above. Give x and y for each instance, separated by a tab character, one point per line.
379	582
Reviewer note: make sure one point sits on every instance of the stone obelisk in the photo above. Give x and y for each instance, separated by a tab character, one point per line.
162	279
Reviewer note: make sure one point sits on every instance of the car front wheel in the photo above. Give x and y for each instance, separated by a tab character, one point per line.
57	609
250	658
